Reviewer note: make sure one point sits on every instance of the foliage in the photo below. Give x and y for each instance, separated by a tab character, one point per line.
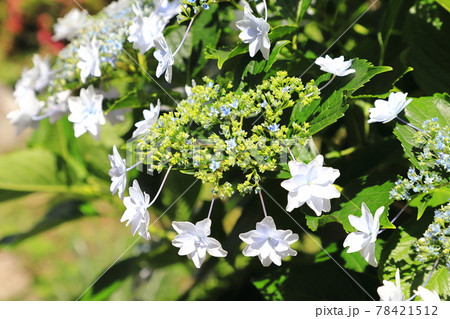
239	123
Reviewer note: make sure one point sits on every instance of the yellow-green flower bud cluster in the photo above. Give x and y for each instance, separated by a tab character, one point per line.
216	130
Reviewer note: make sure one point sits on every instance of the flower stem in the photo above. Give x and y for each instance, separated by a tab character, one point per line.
409	124
265	10
292	154
185	35
396	216
160	188
262	203
324	86
427	280
211	207
134	166
44	116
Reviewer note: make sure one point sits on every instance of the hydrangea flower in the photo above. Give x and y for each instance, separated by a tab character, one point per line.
150	118
118	173
386	111
311	184
427	295
58	105
364	239
68	26
194	242
255	32
89	63
36	78
165	58
86	112
336	66
145	30
29	107
268	243
168	9
390	291
136	213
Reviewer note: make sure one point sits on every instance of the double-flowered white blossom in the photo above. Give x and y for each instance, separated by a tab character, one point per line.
29	107
390	291
254	31
86	112
165	58
194	242
311	184
89	63
118	173
69	26
268	243
336	66
150	118
144	30
136	213
168	9
386	111
36	78
427	295
364	239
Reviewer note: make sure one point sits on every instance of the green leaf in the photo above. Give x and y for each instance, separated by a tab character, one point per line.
61	213
282	32
278	33
440	282
354	261
434	198
30	170
222	55
428	52
132	99
321	281
419	110
331	106
445	4
374	196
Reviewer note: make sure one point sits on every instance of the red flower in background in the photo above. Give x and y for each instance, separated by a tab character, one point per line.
14	23
45	32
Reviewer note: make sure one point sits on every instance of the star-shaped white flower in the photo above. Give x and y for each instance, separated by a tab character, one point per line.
150	118
136	213
69	26
29	107
311	184
36	78
86	112
390	291
58	105
144	30
194	242
89	63
427	295
335	66
165	58
255	32
364	239
386	111
118	173
268	243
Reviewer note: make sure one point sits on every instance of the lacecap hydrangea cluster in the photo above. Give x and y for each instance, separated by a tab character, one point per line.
217	129
435	242
432	149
